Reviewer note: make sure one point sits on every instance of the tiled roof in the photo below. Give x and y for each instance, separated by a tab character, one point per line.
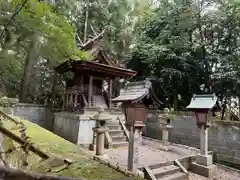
136	91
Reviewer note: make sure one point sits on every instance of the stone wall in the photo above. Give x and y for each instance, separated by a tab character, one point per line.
224	136
76	128
35	113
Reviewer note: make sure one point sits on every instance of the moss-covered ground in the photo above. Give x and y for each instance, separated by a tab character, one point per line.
83	165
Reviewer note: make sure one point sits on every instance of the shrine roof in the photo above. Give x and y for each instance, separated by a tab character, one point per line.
100	64
137	91
202	101
95	47
89	67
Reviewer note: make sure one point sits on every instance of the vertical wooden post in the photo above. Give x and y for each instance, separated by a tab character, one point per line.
90	91
64	96
133	149
110	92
81	85
53	98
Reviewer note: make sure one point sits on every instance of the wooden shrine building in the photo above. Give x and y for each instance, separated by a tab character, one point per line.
86	86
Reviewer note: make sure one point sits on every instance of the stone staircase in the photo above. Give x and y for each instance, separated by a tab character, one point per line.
165	171
117	134
98	101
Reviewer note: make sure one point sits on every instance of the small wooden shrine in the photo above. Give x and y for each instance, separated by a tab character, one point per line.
139	92
86	87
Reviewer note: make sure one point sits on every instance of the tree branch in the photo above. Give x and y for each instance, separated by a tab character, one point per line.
13	16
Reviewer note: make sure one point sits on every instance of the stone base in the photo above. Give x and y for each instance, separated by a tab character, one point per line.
164	148
207	171
92	147
204	160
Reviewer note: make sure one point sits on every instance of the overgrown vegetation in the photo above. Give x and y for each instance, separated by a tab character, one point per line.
83	166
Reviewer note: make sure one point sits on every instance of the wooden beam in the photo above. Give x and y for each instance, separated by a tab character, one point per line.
8	117
90	91
10	173
19	140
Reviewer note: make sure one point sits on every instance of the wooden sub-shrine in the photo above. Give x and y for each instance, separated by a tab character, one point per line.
91	84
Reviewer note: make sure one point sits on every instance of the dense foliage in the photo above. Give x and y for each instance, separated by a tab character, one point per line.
184	46
31	30
189	47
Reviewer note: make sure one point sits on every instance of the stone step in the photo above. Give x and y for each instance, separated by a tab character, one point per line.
165	170
116	132
119	144
118	138
175	176
155	166
114	126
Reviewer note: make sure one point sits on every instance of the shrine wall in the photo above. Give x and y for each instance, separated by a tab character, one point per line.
224	136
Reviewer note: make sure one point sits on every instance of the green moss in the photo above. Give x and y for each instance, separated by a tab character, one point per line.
83	165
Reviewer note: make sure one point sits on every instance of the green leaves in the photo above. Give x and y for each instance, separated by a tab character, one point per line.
38	23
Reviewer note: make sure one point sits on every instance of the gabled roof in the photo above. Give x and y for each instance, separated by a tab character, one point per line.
99	65
136	91
95	47
87	67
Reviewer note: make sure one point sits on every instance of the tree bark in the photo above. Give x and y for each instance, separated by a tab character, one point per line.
86	23
29	61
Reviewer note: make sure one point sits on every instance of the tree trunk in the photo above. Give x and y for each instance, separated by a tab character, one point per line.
29	61
175	101
238	106
86	23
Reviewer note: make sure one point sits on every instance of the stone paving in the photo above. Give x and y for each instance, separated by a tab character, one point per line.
150	153
223	173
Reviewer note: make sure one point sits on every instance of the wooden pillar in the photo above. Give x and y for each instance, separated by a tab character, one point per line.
53	98
67	99
90	91
64	97
81	84
110	92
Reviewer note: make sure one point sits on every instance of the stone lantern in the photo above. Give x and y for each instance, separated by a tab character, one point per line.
136	97
165	122
201	105
100	130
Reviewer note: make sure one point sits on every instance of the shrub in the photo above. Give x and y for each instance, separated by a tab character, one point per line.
8	102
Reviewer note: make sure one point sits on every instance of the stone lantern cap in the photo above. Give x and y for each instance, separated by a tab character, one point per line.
101	116
202	101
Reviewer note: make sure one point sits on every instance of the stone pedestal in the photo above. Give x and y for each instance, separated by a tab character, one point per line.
204	162
100	134
165	123
100	130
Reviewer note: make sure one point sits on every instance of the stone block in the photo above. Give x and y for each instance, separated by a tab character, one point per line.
204	160
207	171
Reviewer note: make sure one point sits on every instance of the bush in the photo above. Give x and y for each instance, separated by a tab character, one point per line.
8	102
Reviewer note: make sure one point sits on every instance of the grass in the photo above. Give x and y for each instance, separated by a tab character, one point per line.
83	165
